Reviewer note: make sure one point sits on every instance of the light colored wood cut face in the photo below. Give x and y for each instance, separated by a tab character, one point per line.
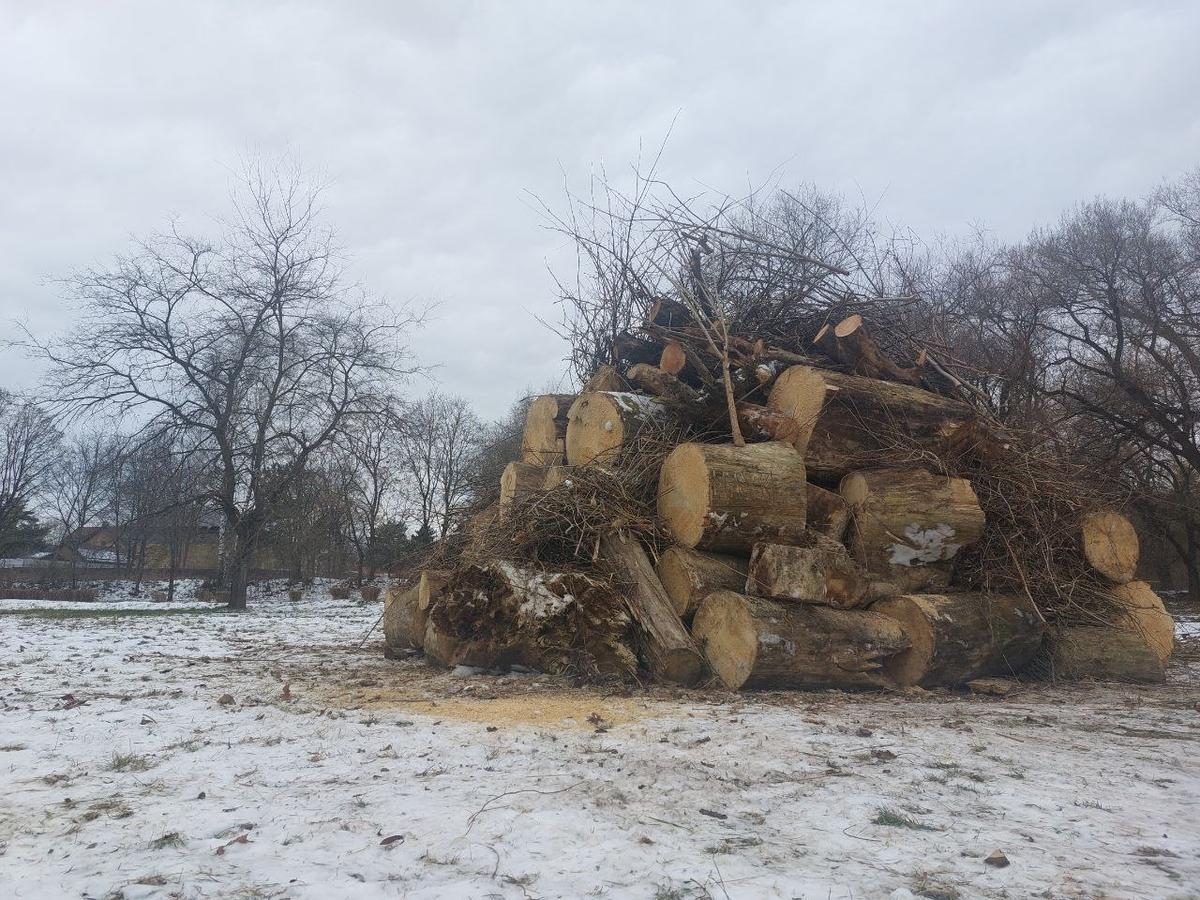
595	431
1147	616
683	494
854	489
909	666
540	432
728	636
1110	545
676	580
799	393
848	326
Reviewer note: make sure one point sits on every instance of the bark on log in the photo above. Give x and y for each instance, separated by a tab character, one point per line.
563	623
957	637
1110	545
844	422
819	570
544	440
827	512
750	643
908	525
518	480
600	425
605	379
849	344
403	621
666	386
1145	615
757	423
631	349
1103	653
725	498
667	649
688	576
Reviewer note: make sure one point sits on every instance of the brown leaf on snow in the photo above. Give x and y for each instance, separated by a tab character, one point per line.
240	839
225	699
391	840
997	859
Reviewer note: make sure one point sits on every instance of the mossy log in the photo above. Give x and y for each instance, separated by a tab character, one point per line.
750	642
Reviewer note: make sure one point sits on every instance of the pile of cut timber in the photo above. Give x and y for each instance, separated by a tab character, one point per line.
812	536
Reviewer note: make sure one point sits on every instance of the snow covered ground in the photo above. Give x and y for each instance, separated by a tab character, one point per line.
196	752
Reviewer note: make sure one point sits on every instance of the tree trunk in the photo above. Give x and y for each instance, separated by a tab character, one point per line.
818	571
908	525
1110	545
726	498
844	422
544	440
1145	616
562	623
1103	653
404	621
827	513
666	647
518	480
751	643
600	426
689	575
955	638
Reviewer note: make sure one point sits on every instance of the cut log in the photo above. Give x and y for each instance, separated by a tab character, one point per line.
430	585
544	440
957	637
667	649
1103	653
1110	545
666	386
519	480
1145	615
562	623
689	575
631	349
669	314
750	643
726	498
445	648
673	359
403	621
817	570
555	476
844	422
849	344
761	423
605	379
827	512
908	525
600	425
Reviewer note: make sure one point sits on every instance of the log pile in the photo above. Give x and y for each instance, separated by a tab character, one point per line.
732	513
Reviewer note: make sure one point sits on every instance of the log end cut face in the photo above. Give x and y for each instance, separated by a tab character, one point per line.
683	494
728	635
1147	617
595	431
910	666
799	393
1110	545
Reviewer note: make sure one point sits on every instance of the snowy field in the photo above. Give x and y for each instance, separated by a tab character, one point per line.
194	752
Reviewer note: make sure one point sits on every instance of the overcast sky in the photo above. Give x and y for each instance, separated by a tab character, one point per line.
434	121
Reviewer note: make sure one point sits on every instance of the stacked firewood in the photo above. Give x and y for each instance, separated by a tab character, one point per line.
769	518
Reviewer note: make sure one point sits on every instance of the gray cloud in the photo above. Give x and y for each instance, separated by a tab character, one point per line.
432	121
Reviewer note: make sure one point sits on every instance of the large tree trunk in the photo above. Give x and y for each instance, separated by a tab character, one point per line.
818	571
518	480
844	422
750	642
666	647
600	426
1110	545
562	623
726	498
1103	653
689	575
404	621
957	637
908	525
1145	615
544	440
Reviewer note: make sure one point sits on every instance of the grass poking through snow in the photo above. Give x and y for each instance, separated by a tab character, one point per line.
895	819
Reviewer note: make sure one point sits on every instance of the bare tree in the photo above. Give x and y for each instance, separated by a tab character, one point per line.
28	445
438	441
249	346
